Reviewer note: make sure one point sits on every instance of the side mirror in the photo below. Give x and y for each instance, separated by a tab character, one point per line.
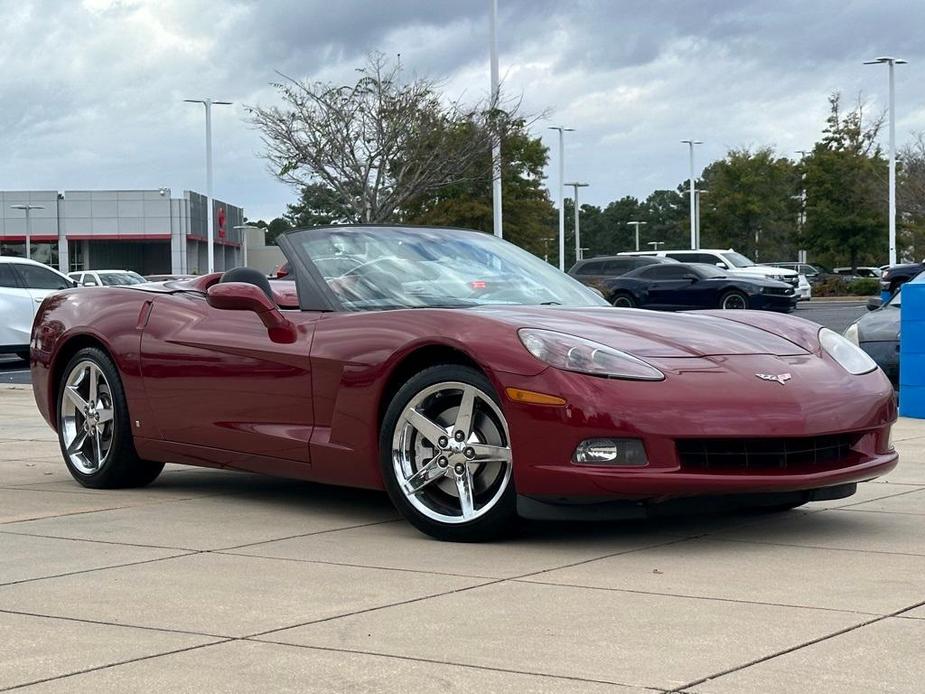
722	266
690	276
874	302
240	296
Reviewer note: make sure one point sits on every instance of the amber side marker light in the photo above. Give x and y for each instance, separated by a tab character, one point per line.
520	395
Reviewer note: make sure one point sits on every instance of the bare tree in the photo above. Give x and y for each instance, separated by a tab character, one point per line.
378	143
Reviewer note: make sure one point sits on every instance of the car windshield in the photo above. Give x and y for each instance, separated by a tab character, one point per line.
113	279
398	267
737	259
895	300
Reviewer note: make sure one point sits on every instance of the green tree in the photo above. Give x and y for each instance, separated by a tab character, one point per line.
749	204
845	179
528	214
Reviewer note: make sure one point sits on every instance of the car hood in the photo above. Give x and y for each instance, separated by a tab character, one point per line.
879	325
651	333
764	271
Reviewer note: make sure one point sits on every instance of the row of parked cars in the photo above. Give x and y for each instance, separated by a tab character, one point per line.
25	283
688	279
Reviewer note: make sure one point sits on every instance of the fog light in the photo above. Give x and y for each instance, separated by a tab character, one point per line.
623	452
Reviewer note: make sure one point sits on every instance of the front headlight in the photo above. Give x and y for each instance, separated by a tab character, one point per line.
851	334
852	358
571	353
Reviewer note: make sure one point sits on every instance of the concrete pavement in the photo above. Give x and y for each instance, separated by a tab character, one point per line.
219	581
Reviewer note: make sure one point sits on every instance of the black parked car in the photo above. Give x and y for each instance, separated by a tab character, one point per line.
877	333
673	286
594	271
897	275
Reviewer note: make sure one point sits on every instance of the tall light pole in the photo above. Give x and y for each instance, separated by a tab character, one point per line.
801	215
697	193
208	103
562	130
575	187
496	147
690	144
656	244
27	208
890	61
637	225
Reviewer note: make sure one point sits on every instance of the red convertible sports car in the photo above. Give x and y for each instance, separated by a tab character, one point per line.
470	380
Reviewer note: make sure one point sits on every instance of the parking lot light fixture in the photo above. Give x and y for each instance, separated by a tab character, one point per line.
27	208
637	225
891	62
210	234
562	130
690	144
575	187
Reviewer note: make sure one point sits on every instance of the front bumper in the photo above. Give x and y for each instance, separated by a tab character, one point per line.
773	302
706	398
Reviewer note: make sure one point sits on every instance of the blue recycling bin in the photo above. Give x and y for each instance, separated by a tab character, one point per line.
912	349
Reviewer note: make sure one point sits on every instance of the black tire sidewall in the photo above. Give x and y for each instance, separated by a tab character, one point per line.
496	522
732	292
632	302
122	467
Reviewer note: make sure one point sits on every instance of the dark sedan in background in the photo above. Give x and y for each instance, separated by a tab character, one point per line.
603	268
678	286
897	275
877	333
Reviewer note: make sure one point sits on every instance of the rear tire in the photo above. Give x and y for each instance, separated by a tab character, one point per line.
624	301
94	429
733	300
449	474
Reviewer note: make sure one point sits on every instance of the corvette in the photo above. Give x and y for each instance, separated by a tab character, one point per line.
470	380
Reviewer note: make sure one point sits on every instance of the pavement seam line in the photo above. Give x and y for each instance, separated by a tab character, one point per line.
491	668
112	665
99	568
635	591
813	642
464	589
837	549
99	622
101	542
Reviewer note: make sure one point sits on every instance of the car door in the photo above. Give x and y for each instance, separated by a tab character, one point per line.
40	281
215	381
16	310
669	286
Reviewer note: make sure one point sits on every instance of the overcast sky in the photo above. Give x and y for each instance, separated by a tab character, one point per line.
91	93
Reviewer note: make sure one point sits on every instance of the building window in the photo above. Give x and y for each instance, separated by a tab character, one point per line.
42	251
75	254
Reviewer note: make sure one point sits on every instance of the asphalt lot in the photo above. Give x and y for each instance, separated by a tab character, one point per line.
219	581
836	315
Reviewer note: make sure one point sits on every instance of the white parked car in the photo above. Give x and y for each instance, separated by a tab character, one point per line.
860	271
106	278
728	260
23	286
804	288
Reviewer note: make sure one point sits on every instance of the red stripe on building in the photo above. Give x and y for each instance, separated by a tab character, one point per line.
34	238
117	237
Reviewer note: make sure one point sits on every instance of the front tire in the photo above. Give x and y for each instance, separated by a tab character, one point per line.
445	454
624	301
94	429
733	300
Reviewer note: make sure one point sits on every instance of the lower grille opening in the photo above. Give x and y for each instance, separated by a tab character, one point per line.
772	454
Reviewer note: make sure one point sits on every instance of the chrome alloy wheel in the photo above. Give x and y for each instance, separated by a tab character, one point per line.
87	417
734	301
451	452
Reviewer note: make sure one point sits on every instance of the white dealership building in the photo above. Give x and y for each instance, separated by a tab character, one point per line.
147	231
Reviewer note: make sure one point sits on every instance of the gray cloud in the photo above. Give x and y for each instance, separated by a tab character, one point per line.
92	92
